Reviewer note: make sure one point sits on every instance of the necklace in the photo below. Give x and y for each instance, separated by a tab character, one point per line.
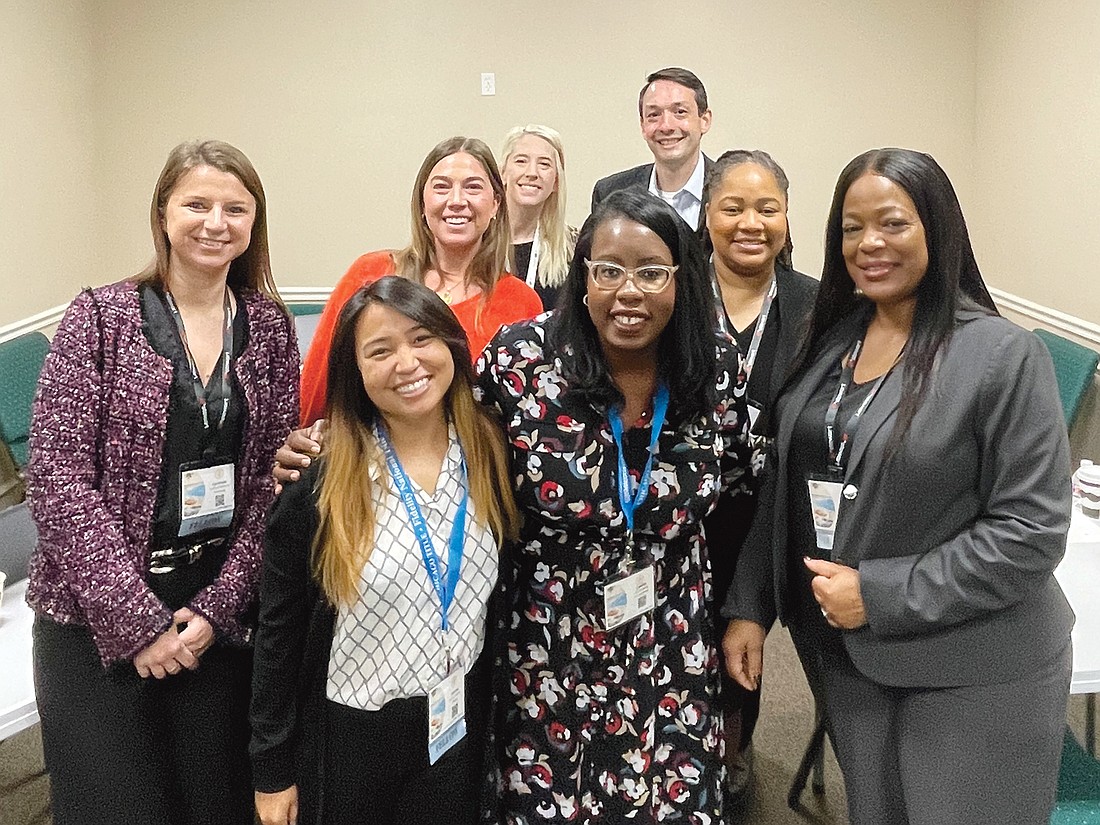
449	294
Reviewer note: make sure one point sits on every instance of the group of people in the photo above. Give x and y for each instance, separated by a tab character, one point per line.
522	563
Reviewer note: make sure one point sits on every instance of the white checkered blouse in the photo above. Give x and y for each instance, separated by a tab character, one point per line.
389	644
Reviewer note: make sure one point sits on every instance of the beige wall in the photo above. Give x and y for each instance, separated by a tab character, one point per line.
1037	164
338	105
49	209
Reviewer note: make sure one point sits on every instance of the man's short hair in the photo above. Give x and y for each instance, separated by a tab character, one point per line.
681	76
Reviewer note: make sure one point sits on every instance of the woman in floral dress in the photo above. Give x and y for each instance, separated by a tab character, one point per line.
608	714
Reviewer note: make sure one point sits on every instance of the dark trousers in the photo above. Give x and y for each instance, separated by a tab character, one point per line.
726	528
123	750
969	755
376	768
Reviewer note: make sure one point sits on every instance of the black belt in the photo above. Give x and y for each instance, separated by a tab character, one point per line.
170	559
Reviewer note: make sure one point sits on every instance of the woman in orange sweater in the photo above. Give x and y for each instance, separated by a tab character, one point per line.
459	249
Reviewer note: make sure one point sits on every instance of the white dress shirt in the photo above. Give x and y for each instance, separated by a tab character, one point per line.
688	202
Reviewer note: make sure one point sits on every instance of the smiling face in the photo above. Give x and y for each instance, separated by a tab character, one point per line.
672	124
629	322
406	370
884	244
530	172
459	201
747	221
208	220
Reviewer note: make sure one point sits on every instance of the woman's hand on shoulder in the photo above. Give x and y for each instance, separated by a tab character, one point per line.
278	808
743	647
166	656
297	453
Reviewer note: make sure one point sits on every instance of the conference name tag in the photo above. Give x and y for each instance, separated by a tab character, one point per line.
824	507
628	596
446	715
206	498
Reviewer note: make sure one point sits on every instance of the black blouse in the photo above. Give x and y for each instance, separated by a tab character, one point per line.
809	455
186	440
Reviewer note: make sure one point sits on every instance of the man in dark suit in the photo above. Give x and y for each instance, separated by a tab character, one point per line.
674	116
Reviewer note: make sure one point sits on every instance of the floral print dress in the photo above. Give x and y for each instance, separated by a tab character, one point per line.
608	726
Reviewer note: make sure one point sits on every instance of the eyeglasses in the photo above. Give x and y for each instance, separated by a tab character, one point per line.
649	278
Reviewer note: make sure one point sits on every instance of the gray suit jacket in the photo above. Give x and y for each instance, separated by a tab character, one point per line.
957	537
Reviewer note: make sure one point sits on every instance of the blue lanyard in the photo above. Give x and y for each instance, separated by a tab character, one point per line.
444	589
630	500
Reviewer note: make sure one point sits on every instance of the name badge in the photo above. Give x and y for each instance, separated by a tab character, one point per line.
207	497
446	715
627	596
824	507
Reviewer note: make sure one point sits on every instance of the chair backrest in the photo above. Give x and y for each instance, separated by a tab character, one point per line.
306	309
20	362
18	537
1074	366
1079	774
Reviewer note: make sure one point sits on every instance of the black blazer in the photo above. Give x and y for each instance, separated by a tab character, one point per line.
293	645
794	294
638	176
957	537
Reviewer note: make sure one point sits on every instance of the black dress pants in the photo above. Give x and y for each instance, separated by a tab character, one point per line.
123	750
376	769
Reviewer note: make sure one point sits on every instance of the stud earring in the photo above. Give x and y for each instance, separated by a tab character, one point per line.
859	293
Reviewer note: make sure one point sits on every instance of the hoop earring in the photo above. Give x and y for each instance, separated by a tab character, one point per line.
584	300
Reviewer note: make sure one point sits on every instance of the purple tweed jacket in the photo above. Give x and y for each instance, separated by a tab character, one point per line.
93	498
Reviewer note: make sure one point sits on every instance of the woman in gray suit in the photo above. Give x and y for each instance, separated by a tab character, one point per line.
915	505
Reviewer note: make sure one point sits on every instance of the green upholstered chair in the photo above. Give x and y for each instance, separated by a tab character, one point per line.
20	362
306	309
1078	786
1074	366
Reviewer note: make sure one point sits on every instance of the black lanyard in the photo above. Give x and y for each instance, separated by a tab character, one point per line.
838	458
227	353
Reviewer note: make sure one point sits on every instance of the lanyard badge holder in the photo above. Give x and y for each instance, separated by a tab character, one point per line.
749	359
207	487
447	699
825	491
533	261
754	349
630	592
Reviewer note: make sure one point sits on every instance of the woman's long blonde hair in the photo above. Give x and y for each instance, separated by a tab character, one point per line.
556	240
491	259
343	541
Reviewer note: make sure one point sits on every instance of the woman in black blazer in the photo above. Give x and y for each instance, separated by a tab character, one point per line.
763	304
915	505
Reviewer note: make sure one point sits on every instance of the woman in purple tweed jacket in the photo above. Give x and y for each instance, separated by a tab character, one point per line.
158	413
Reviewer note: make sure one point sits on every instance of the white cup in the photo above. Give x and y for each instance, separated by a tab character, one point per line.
1088	480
